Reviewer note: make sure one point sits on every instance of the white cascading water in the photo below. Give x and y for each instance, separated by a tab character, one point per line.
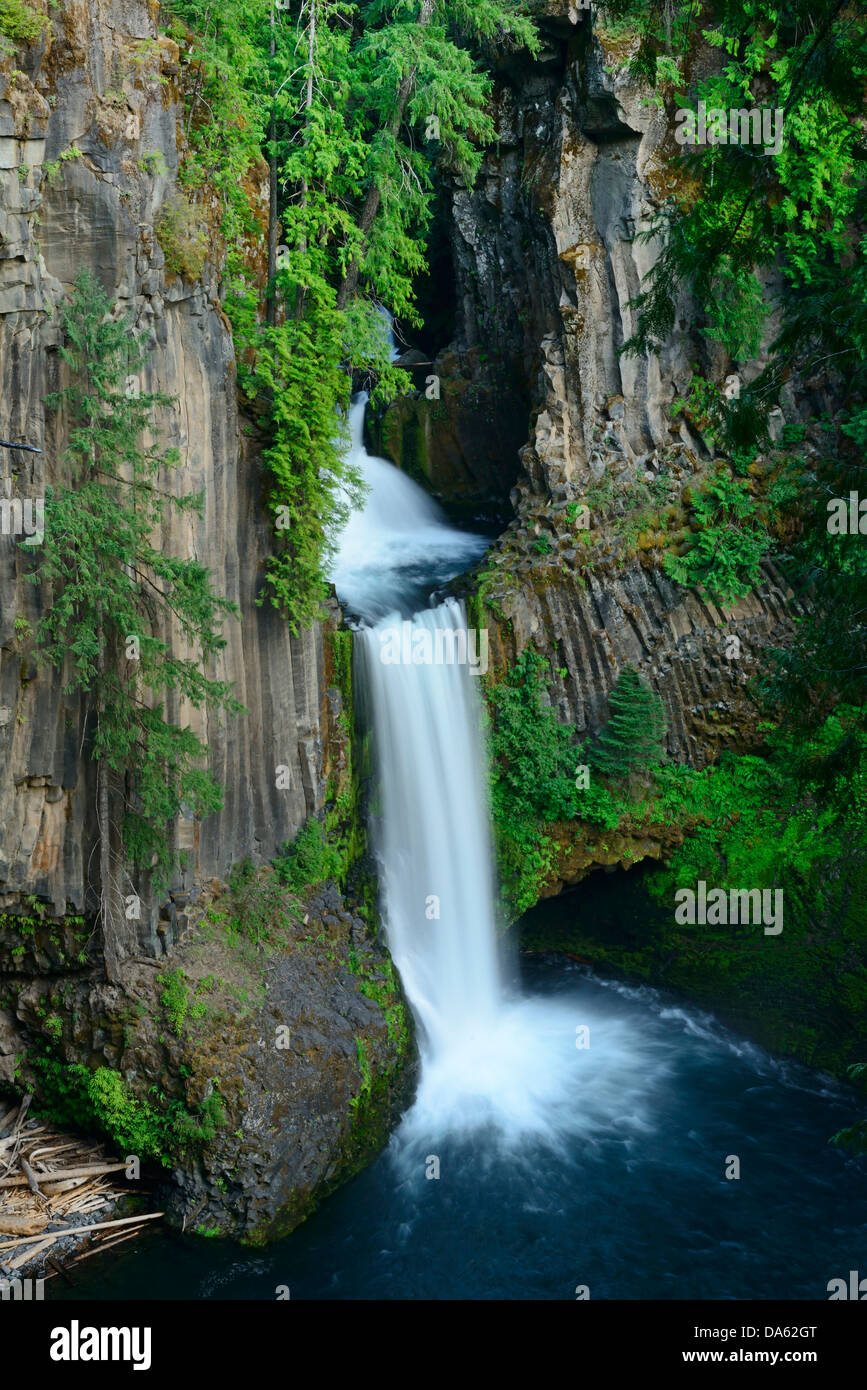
490	1057
399	544
434	840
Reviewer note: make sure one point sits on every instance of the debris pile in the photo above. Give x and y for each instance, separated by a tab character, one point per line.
55	1191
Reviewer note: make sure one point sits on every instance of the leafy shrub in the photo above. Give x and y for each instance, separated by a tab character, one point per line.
261	907
20	23
133	1125
535	760
726	552
102	1101
534	753
174	1000
793	818
532	778
183	239
309	860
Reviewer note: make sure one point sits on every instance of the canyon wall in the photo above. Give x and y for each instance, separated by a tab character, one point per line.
279	1048
91	134
536	403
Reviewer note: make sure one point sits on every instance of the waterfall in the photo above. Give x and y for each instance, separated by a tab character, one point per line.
490	1056
399	546
434	839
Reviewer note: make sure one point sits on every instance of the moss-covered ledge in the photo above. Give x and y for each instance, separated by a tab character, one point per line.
258	1068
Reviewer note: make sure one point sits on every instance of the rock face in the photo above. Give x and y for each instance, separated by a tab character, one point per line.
682	646
548	253
547	256
90	137
281	1060
297	1046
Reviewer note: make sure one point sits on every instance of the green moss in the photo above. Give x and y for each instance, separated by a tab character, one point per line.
340	645
328	849
379	983
102	1101
364	1068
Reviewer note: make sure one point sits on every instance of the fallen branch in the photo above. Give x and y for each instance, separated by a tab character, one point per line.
30	1176
22	1225
84	1230
27	1256
92	1170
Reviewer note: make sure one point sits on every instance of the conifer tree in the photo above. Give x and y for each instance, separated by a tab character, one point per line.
632	740
112	602
353	105
416	72
352	90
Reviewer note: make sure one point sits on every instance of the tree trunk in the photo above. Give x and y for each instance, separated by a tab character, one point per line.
374	197
200	75
301	290
110	943
271	302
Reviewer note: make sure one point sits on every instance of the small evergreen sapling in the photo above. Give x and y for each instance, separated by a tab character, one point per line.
633	739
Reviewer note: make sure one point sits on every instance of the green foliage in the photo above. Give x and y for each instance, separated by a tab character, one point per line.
379	982
313	488
826	663
20	22
310	859
810	62
366	1076
194	1130
333	94
183	240
54	1028
739	435
633	737
102	1101
340	643
110	584
532	778
132	1124
854	1137
794	818
801	210
725	555
533	751
262	910
534	765
174	1000
735	310
791	817
224	54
